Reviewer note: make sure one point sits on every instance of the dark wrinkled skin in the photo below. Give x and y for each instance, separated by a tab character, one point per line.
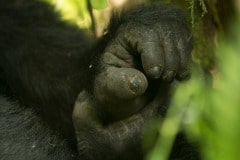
138	56
122	138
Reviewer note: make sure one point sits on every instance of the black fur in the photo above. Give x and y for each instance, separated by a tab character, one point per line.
43	65
23	135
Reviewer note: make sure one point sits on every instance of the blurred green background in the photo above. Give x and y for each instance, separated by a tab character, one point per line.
208	106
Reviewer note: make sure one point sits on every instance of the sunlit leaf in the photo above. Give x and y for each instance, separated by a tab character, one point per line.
74	11
99	4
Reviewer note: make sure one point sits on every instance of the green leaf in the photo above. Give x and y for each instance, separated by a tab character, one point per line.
99	4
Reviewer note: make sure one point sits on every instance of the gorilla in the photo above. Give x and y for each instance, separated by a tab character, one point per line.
65	96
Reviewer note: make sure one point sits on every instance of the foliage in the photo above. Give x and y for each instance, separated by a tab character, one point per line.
192	4
99	4
78	11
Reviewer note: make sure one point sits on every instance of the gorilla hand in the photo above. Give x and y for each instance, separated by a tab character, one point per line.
151	45
144	45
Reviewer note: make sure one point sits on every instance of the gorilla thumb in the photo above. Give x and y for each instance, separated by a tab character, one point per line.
123	83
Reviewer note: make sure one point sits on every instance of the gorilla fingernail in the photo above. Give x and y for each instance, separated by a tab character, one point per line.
155	72
169	76
184	75
138	84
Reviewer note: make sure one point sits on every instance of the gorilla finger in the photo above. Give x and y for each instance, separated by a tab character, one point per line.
184	48
171	59
145	42
84	113
121	83
157	105
152	56
127	82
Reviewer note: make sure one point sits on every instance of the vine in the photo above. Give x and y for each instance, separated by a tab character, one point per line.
192	4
